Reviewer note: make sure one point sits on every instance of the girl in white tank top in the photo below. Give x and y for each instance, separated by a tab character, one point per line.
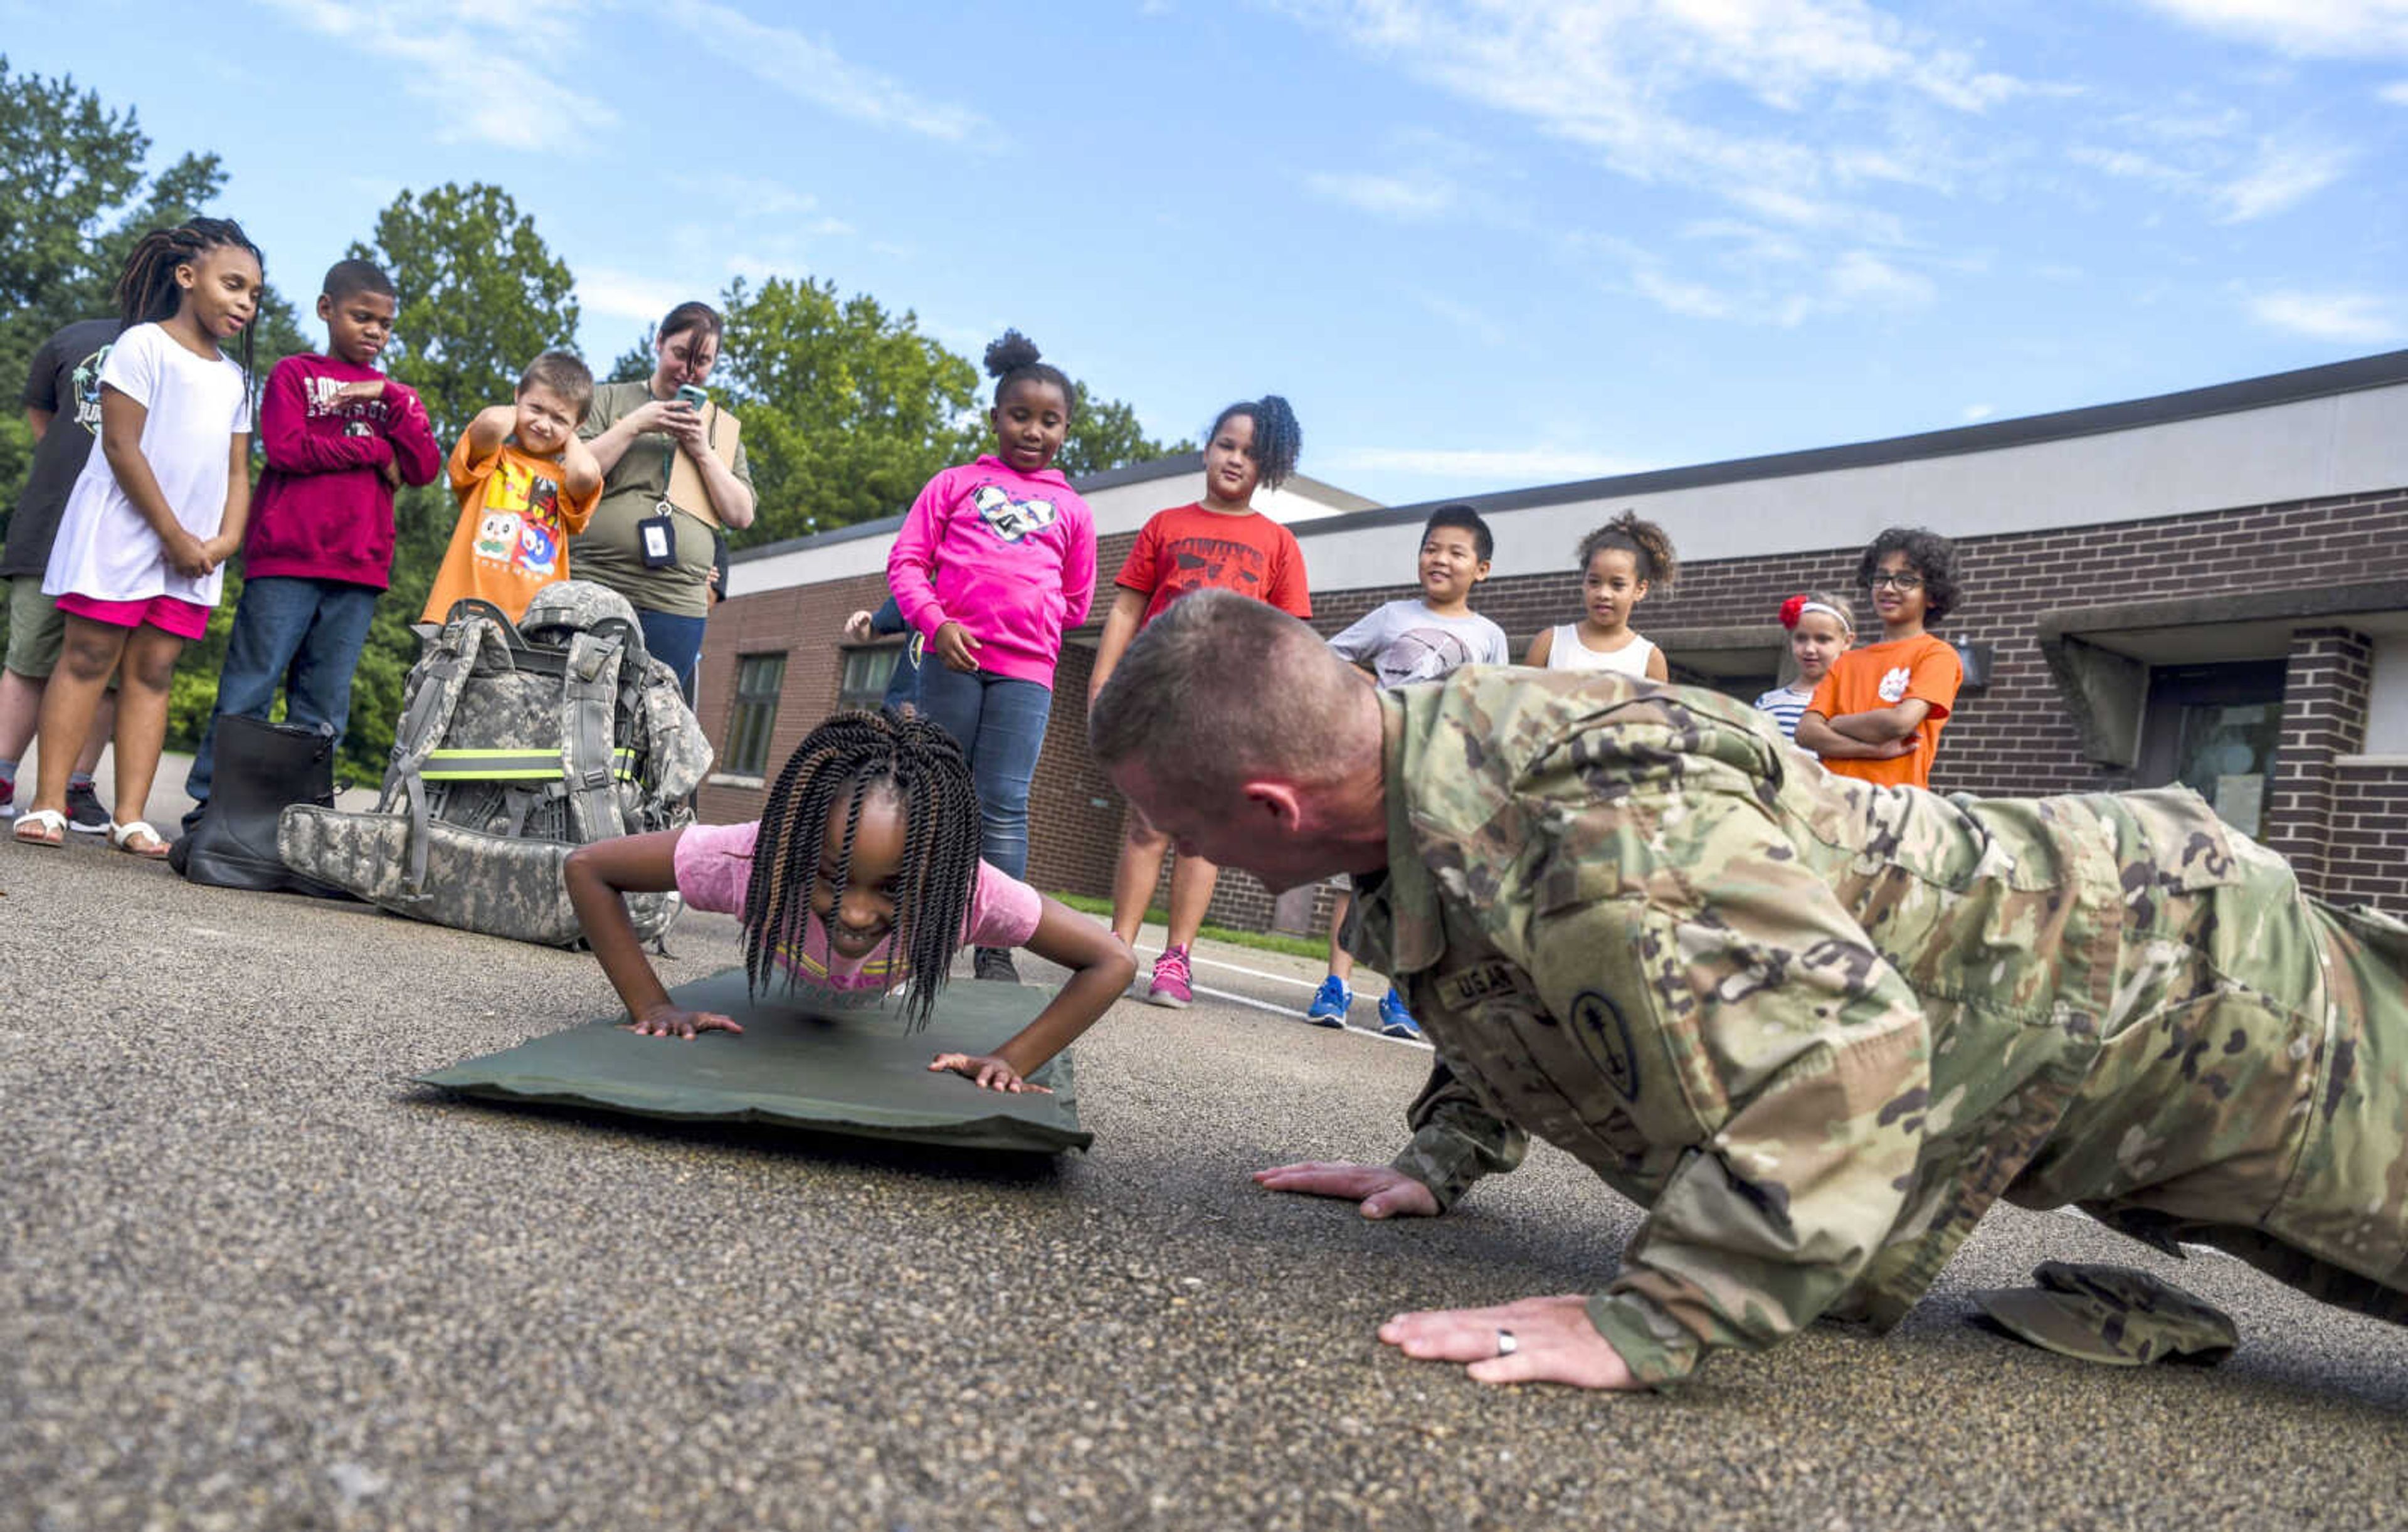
1564	651
1620	562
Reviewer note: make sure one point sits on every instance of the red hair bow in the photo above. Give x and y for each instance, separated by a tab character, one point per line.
1790	610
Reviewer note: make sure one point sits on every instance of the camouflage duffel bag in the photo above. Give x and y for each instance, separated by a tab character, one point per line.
518	743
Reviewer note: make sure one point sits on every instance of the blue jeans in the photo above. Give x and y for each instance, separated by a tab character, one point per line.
1000	723
903	686
307	634
675	641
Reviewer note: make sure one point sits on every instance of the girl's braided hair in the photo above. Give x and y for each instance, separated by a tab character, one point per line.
837	766
147	291
1647	544
1278	438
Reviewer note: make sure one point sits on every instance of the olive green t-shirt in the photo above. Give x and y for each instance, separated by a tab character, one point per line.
608	551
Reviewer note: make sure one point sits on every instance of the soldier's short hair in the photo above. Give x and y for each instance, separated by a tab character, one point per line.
1219	688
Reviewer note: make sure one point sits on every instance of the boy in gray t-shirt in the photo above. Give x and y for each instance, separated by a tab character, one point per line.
1420	638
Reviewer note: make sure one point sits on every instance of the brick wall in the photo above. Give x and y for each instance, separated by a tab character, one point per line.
2013	737
2368	859
2324	718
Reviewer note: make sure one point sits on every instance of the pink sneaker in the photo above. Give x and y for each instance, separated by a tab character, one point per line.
1170	984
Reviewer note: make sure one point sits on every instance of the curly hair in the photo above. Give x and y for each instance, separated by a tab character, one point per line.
1278	438
1644	541
1928	553
837	767
1013	358
147	291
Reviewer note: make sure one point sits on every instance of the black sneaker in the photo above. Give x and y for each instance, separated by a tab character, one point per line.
994	963
84	812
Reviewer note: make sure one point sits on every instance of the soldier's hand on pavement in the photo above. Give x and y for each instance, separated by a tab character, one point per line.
988	1071
1553	1342
676	1023
953	644
1382	1192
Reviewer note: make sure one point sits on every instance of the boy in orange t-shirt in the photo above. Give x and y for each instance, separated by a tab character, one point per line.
525	485
1877	716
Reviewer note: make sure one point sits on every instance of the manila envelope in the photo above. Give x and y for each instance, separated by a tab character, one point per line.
686	491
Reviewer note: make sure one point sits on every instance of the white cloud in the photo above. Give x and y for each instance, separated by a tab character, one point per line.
1388	197
1510	464
429	38
810	69
2357	319
2396	92
2273	177
1647	87
1974	413
2329	28
2282	177
622	294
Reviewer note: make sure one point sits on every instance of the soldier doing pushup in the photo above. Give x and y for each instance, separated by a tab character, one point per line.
1816	1025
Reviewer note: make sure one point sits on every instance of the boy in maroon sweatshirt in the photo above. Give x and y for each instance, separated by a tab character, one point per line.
341	438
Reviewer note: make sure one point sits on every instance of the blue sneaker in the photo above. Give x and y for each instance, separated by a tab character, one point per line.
1330	1003
1396	1021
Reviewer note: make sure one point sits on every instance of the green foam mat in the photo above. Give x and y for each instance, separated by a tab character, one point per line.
835	1071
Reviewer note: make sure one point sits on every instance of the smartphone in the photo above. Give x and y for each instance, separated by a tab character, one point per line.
692	397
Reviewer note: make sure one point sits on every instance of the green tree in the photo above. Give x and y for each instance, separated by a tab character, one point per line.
1108	434
848	409
481	295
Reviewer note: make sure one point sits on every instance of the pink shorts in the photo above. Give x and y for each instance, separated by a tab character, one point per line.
167	613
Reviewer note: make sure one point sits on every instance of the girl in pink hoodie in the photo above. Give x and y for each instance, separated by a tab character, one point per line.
996	559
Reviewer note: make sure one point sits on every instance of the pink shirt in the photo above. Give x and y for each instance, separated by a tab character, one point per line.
1010	556
714	868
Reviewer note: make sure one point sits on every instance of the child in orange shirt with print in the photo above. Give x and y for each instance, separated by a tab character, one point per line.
1878	714
525	485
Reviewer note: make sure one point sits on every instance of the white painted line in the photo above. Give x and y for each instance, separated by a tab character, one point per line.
1290	1013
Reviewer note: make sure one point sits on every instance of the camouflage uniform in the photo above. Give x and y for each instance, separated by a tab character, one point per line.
1817	1025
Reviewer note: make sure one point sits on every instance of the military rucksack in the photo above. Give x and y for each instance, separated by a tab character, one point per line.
518	743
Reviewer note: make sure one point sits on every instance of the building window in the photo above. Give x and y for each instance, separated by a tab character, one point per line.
867	672
759	679
2213	728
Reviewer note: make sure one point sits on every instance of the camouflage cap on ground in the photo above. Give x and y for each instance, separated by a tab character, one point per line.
2111	1315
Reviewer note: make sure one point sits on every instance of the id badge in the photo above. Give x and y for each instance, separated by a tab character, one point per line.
656	539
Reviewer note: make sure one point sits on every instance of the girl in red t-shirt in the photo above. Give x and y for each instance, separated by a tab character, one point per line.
1218	542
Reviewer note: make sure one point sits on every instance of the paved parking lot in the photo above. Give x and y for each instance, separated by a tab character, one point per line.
254	1277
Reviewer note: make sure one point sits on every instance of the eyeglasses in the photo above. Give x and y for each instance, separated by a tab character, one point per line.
1902	581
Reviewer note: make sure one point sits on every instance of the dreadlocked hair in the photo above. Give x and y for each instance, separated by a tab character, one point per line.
837	767
1644	541
147	291
1278	437
1013	358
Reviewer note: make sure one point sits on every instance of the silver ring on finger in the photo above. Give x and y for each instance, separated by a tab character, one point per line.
1506	1344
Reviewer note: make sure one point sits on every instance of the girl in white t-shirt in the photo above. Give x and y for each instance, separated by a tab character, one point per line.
862	872
158	511
1620	563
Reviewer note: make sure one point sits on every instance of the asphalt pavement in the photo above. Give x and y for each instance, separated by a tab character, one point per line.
251	1276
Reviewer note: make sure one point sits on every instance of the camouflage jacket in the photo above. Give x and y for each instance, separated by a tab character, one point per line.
1816	1025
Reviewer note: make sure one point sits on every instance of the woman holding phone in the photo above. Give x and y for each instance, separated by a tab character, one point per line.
653	540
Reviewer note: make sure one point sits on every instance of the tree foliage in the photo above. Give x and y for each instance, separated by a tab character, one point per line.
848	409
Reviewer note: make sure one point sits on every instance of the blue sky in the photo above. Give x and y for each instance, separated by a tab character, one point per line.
1479	245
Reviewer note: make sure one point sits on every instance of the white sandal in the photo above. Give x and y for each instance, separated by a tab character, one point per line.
49	824
119	835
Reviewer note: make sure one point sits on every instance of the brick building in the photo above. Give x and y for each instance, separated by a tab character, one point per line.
2209	586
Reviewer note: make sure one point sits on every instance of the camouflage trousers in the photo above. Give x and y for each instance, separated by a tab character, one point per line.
2250	1089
